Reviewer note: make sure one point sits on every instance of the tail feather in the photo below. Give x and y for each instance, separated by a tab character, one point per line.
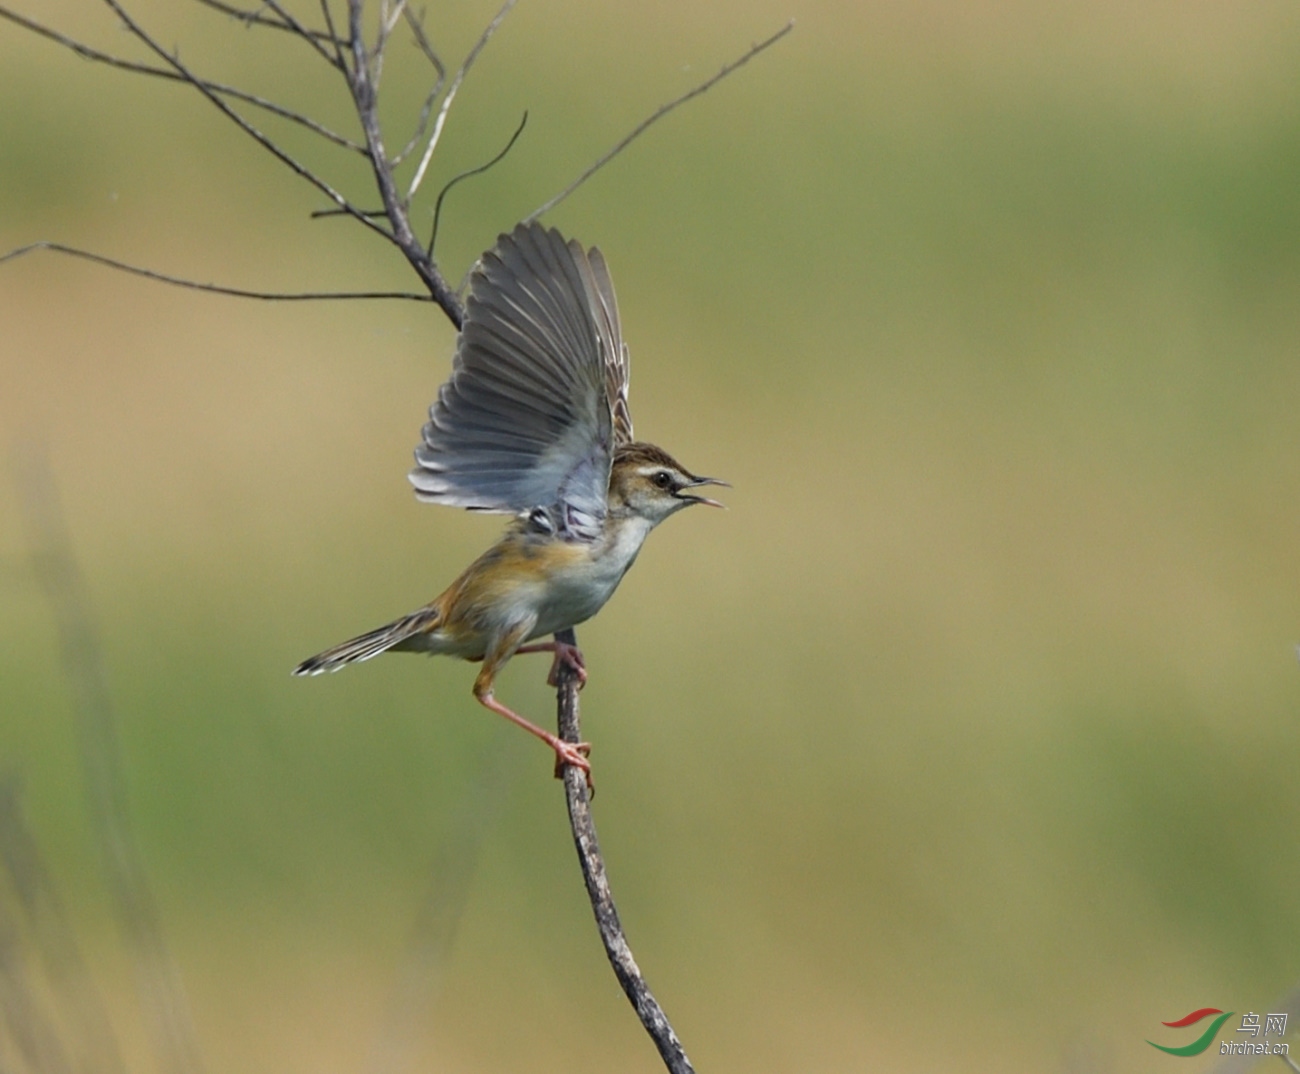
372	643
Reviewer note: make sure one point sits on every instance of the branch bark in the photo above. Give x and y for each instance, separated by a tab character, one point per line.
629	976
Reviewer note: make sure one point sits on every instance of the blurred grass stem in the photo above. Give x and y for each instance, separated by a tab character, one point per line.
162	994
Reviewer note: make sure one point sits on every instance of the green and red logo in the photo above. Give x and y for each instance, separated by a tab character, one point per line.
1204	1040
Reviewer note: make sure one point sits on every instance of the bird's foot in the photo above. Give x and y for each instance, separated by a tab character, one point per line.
573	753
569	656
566	655
566	753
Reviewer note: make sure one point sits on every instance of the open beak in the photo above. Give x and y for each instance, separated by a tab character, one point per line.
696	483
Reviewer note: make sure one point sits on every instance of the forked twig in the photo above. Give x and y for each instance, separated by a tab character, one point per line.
657	115
244	125
287	22
366	99
388	20
95	55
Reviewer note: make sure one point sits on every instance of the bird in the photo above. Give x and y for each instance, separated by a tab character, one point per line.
534	422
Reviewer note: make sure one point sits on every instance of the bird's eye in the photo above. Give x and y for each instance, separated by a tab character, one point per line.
663	479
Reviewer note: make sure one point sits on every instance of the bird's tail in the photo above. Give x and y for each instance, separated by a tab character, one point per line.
372	643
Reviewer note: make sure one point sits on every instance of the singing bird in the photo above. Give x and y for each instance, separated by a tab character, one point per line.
534	422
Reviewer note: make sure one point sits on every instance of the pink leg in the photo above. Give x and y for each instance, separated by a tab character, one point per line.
568	655
574	753
566	753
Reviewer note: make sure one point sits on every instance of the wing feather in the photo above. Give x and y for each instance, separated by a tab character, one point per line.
537	398
617	371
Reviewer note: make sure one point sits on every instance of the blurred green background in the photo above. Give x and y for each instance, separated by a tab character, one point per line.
965	740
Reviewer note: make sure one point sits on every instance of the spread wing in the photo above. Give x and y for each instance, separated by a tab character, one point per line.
537	398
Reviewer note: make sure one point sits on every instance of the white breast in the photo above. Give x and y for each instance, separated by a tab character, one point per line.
579	589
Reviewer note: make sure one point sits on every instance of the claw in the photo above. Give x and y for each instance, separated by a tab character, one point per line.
569	656
573	753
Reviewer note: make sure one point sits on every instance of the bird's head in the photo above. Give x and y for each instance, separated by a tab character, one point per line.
646	481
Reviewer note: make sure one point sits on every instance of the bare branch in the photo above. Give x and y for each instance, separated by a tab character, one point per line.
647	1009
212	288
365	99
451	96
437	206
242	123
360	68
657	115
95	55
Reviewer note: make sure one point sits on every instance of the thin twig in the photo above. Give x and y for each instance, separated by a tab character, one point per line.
88	53
256	18
437	205
451	96
387	22
415	23
312	37
647	1008
296	27
338	45
237	292
657	115
56	567
324	214
426	47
